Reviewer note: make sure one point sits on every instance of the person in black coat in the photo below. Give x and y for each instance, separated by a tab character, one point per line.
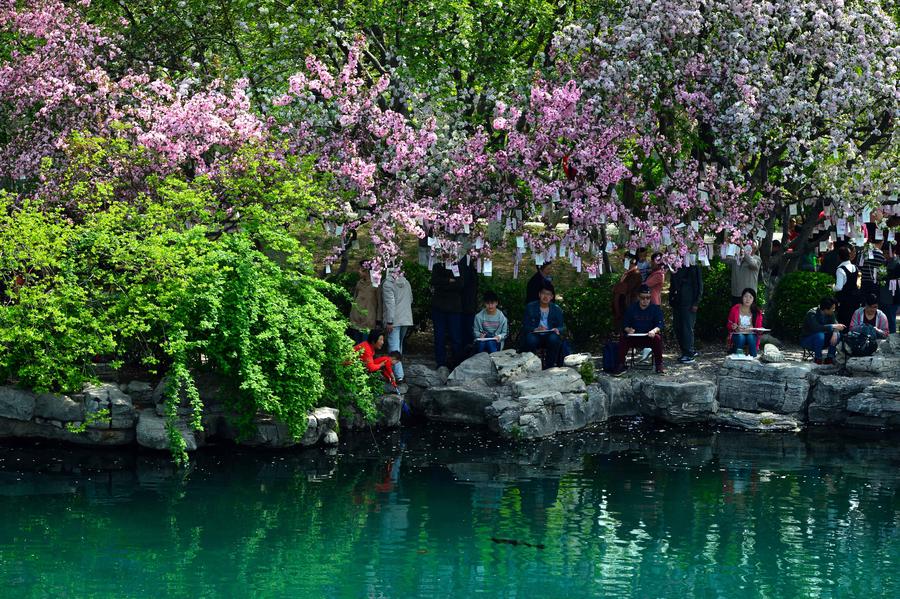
446	312
685	291
540	279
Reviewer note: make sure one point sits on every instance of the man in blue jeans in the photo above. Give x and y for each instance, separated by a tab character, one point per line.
543	326
821	329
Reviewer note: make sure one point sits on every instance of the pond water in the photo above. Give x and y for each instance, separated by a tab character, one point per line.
636	510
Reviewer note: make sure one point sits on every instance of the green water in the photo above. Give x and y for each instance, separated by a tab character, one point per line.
638	511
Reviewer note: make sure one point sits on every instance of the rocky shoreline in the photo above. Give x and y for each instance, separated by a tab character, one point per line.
505	392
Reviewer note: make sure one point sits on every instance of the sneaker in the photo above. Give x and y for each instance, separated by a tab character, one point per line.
687	359
694	354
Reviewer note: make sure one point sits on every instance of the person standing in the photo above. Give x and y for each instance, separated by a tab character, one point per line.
366	311
543	325
846	287
889	299
470	305
537	282
397	298
685	291
656	279
744	272
446	313
869	271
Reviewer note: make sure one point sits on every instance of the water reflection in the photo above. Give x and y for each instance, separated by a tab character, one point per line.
629	511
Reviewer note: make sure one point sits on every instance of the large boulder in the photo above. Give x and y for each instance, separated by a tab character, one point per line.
621	394
560	380
457	404
877	406
58	407
388	409
678	401
756	421
547	413
829	395
29	429
108	396
16	404
880	364
478	368
751	386
151	432
512	366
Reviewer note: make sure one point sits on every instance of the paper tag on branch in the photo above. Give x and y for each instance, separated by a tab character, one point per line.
327	269
488	268
792	209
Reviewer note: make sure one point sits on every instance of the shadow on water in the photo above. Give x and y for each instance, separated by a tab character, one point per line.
634	509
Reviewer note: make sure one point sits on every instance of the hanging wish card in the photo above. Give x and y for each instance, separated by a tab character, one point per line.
793	209
479	243
539	259
879	235
466	228
327	269
823	246
488	269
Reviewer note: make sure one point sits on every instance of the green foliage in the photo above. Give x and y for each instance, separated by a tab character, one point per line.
588	309
795	294
587	372
91	418
157	281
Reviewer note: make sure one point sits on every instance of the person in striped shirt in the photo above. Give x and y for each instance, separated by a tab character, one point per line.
490	327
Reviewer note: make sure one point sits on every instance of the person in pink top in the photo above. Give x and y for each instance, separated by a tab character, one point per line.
743	318
656	278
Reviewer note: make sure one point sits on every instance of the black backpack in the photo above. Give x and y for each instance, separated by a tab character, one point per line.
860	342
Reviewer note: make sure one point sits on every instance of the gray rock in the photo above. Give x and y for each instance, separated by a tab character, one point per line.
387	409
622	396
139	391
151	432
771	354
512	366
19	429
58	407
456	404
829	395
330	438
16	404
326	418
479	367
419	375
879	365
576	360
108	396
756	421
678	401
753	386
561	380
545	414
273	433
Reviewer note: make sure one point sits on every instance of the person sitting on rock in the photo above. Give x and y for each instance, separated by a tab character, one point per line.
544	326
490	327
744	317
870	316
642	326
820	327
367	349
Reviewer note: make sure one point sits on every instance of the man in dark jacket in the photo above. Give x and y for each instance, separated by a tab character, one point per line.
685	291
446	312
470	304
821	328
642	326
543	326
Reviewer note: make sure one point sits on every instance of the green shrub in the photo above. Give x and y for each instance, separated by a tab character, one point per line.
795	294
588	309
156	282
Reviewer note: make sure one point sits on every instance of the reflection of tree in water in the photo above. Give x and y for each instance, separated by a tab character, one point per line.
639	513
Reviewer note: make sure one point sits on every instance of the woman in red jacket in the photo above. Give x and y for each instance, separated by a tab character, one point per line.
367	350
744	317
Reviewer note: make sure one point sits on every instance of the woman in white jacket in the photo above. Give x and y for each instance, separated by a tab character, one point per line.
397	298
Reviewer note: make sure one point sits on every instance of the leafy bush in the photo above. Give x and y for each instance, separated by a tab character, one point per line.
156	281
588	309
795	294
